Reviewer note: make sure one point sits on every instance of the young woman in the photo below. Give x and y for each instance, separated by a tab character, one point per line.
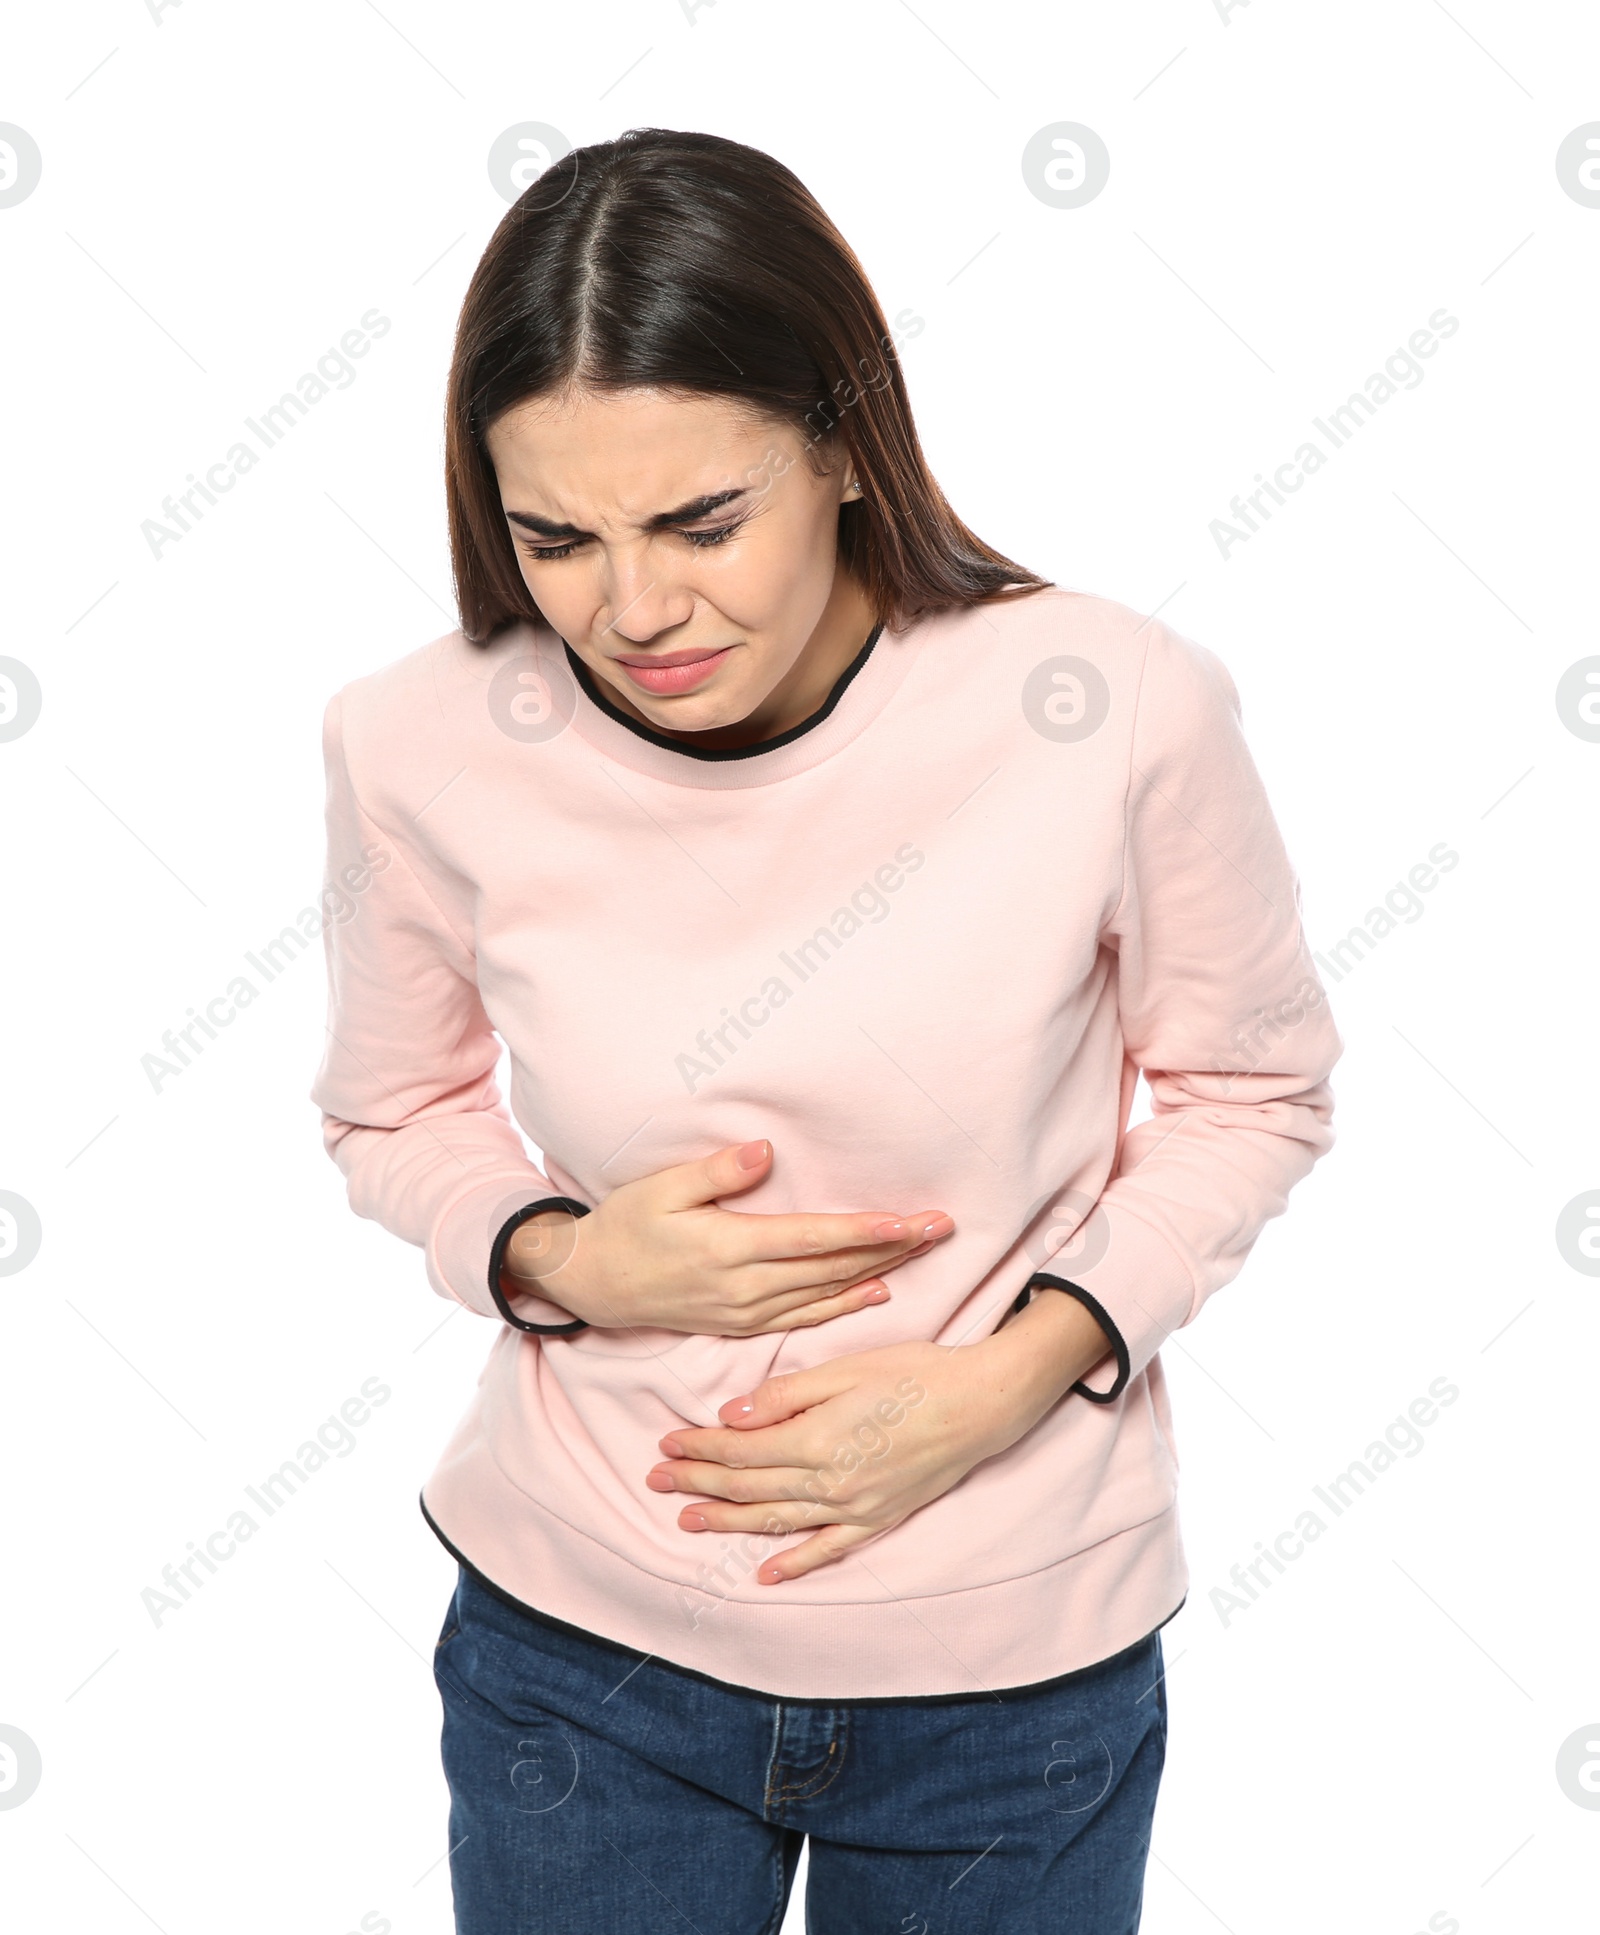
829	879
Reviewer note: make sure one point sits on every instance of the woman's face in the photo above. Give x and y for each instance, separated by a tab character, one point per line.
686	551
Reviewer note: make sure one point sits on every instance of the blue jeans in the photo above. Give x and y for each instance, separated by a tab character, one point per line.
594	1790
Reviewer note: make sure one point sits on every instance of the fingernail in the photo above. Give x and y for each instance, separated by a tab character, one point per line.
878	1295
890	1227
670	1448
940	1225
740	1410
659	1481
694	1522
752	1154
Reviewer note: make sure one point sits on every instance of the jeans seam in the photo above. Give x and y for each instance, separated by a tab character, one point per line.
767	1793
780	1903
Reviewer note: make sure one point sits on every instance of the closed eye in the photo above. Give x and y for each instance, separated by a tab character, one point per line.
701	541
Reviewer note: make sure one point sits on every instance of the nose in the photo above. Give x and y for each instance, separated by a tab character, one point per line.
642	599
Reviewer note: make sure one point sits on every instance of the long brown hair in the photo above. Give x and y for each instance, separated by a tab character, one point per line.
685	262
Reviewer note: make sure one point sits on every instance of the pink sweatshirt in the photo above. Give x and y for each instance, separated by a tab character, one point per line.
923	942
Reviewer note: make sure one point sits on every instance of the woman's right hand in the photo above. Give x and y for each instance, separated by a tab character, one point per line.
660	1252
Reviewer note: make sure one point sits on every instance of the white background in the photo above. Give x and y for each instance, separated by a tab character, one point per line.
1294	189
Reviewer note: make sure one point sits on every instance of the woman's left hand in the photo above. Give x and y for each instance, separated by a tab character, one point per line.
855	1445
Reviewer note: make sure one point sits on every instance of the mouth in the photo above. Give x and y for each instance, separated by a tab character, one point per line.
667	673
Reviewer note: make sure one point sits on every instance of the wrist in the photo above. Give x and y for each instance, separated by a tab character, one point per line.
1048	1346
538	1248
532	1263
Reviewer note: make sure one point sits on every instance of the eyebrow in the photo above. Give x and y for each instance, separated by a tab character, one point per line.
696	507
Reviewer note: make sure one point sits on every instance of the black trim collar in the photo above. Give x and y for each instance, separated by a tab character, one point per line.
592	692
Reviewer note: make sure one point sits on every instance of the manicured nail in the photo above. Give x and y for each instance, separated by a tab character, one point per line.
752	1154
740	1410
889	1228
659	1481
670	1448
940	1225
878	1295
694	1522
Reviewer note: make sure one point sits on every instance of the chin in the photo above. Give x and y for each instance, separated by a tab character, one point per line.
698	712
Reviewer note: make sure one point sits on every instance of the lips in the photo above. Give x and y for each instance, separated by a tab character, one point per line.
673	673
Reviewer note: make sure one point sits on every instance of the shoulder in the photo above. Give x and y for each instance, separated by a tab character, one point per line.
431	703
1056	647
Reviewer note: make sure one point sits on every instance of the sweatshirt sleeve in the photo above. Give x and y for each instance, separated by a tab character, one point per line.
410	1109
1220	1008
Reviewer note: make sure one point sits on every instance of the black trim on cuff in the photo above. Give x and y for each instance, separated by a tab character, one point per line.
1114	1336
497	1255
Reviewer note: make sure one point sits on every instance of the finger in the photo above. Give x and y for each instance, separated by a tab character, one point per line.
794	1485
815	1303
826	1548
871	1233
775	1519
920	1250
823	1275
797	1312
739	1450
776	1399
738	1166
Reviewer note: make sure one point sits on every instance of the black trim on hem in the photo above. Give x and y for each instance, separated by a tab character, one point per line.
1114	1337
591	690
497	1254
755	1693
